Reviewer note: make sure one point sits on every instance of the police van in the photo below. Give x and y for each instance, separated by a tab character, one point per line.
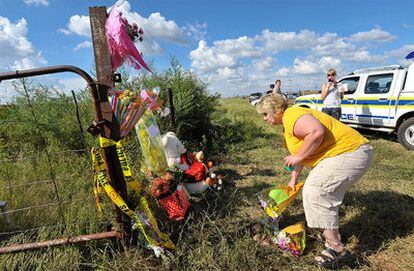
380	99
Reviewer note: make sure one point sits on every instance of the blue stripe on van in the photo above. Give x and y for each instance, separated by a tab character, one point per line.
362	102
374	116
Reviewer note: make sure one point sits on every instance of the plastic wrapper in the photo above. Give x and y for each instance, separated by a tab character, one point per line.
275	200
150	140
128	108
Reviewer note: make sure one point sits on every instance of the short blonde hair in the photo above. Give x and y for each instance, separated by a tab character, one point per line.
331	70
272	104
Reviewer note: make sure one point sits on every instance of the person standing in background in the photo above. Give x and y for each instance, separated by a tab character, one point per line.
332	95
271	89
277	89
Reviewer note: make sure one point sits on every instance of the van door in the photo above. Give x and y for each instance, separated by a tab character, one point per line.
373	103
348	102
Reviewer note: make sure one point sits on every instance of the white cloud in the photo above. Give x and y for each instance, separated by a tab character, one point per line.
79	25
283	72
156	27
225	53
328	62
263	64
305	67
85	44
17	52
365	56
196	31
374	35
228	73
37	2
205	58
240	47
248	63
64	31
284	41
400	53
69	84
27	62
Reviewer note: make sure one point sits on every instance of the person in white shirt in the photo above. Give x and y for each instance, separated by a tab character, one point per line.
277	89
332	95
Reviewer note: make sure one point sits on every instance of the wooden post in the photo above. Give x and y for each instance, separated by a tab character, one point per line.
105	82
171	104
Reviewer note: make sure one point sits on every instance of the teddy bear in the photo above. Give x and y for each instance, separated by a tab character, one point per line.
174	151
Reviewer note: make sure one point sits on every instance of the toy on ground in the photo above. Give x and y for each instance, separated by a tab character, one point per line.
172	196
199	176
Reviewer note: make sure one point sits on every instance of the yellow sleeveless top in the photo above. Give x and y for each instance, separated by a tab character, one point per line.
339	138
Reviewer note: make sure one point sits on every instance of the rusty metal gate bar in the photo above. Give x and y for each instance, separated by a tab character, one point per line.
97	99
58	242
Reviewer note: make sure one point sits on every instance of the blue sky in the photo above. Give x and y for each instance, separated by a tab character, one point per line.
237	47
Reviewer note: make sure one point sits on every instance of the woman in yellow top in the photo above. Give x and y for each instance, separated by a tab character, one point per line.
338	156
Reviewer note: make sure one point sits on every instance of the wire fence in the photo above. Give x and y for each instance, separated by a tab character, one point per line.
45	183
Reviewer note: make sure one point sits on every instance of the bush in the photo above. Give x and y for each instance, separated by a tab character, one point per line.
193	104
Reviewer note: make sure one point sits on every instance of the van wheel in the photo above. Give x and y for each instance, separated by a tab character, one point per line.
406	134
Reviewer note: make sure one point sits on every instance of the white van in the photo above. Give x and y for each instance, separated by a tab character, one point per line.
380	99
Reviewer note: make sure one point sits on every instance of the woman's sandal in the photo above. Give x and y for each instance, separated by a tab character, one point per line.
330	258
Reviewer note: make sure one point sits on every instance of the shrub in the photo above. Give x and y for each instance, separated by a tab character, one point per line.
193	104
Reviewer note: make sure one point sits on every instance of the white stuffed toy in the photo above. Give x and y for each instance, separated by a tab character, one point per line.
173	150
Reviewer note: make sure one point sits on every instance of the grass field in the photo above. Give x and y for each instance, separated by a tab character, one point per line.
377	214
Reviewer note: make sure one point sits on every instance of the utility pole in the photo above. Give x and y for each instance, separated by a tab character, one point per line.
109	127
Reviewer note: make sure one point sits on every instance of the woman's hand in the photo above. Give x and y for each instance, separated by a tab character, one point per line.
292	183
292	160
295	175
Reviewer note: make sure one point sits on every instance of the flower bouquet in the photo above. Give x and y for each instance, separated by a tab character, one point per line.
292	239
128	108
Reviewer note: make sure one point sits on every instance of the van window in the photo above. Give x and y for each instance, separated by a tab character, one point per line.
352	83
378	84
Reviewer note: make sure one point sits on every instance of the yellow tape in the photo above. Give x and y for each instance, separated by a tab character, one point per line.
106	142
114	196
97	191
137	186
101	177
130	180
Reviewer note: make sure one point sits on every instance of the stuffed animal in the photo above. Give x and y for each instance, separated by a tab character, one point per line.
162	185
172	197
202	176
199	175
174	151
